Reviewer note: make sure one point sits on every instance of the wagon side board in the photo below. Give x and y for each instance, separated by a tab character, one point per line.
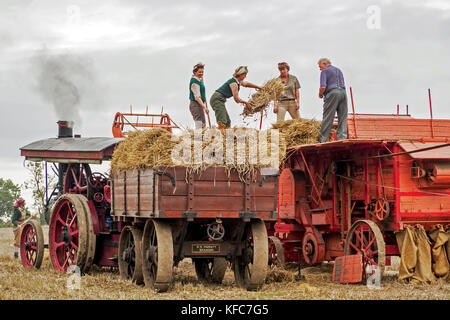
179	192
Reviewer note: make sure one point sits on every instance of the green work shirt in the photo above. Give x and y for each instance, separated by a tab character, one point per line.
16	216
225	89
195	80
292	84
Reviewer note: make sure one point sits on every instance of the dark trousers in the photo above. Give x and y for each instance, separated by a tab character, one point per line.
334	101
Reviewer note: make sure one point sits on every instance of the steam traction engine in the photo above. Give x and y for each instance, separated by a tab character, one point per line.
350	197
146	221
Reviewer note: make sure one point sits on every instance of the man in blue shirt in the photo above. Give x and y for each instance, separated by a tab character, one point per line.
332	90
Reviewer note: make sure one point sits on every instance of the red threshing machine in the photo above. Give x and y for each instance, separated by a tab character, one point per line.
350	197
146	221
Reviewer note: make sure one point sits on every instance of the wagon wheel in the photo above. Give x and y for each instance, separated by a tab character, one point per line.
366	239
157	255
130	254
76	178
68	233
31	244
210	270
250	269
276	253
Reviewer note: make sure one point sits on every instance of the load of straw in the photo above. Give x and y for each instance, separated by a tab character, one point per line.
260	100
299	131
146	148
199	150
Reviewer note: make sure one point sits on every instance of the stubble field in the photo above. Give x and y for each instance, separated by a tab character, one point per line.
16	282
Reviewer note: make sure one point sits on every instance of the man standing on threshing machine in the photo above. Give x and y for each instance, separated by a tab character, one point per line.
289	101
18	218
332	90
227	90
197	96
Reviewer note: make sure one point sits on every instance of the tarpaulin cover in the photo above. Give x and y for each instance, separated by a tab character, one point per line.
419	263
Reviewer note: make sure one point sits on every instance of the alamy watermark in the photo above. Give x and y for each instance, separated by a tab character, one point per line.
229	147
373	21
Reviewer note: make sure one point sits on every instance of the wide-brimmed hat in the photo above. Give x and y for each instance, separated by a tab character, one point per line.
19	202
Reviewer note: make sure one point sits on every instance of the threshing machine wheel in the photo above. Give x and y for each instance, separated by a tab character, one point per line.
69	232
276	253
365	238
76	178
157	251
130	254
381	209
31	244
210	270
250	269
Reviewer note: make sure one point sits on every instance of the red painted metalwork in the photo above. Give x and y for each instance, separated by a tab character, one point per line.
372	180
353	108
122	121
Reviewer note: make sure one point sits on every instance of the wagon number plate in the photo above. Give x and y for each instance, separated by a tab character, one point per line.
206	248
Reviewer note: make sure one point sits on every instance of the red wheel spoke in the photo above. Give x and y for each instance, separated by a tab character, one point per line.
73	219
370	244
34	248
59	244
358	250
74	245
74	233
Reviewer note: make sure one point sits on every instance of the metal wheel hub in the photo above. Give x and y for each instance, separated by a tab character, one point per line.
216	231
65	235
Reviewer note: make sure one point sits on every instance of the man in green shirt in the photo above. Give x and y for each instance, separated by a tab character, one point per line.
227	90
289	101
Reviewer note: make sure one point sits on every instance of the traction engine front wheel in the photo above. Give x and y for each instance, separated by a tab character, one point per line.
31	244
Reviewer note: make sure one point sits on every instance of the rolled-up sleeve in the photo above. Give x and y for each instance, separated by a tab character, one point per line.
323	79
196	90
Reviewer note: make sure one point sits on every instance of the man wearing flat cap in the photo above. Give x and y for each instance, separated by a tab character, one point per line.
332	90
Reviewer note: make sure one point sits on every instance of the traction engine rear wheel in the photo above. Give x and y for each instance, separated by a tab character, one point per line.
157	251
210	270
68	233
276	253
32	244
250	269
130	254
365	238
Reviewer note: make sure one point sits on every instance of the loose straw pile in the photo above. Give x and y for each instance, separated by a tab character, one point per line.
260	100
298	132
153	148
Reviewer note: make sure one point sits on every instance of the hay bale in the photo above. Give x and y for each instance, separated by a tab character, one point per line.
260	100
298	132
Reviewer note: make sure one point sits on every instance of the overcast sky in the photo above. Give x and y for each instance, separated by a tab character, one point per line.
122	52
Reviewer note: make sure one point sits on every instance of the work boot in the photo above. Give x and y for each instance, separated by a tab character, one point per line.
16	255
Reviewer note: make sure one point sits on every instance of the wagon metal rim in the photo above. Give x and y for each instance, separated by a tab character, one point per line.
130	254
250	269
157	255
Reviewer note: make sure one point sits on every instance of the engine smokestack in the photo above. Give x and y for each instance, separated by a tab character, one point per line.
65	129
